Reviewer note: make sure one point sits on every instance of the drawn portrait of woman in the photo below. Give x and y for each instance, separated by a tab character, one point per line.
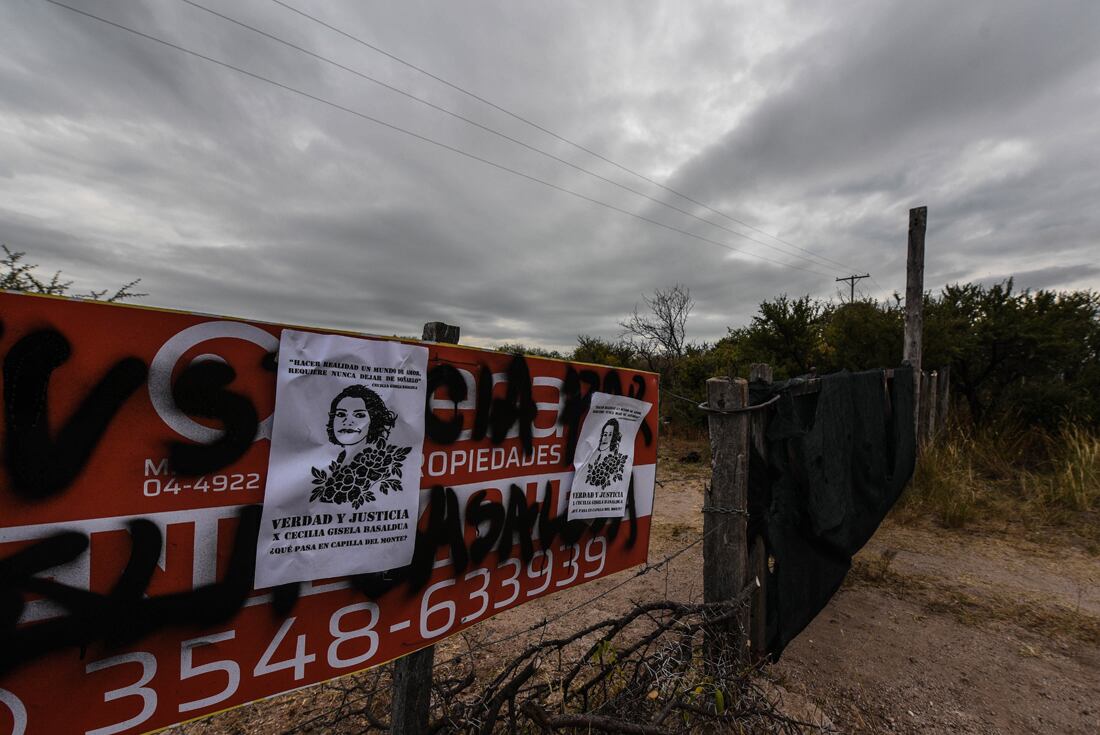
359	423
607	466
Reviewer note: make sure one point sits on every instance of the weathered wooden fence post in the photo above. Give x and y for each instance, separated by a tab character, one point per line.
412	674
758	555
725	504
932	400
440	332
914	304
922	410
944	397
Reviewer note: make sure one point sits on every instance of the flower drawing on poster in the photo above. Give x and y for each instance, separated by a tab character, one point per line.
359	423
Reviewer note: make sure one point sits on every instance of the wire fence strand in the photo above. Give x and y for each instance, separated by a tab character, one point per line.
640	572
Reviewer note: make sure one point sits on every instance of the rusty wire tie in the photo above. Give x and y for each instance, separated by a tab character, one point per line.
728	511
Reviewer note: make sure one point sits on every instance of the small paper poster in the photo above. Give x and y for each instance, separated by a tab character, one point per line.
343	480
605	456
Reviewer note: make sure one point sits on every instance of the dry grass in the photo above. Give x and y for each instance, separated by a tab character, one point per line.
973	607
1072	482
1006	473
683	455
1052	621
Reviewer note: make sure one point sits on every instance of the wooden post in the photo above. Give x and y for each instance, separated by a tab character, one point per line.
945	395
922	409
412	674
758	554
724	506
914	302
440	332
412	692
933	401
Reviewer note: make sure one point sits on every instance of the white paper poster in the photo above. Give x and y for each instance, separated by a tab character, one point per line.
343	481
605	456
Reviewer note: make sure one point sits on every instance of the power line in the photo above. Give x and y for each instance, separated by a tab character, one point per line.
549	132
491	130
420	137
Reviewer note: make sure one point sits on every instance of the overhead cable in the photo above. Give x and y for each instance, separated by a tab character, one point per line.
491	130
545	130
420	137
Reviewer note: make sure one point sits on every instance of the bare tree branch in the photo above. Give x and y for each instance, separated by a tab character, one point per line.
662	331
645	672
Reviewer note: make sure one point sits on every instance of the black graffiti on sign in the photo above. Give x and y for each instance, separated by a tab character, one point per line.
444	432
514	518
518	405
495	417
124	615
201	390
42	463
39	465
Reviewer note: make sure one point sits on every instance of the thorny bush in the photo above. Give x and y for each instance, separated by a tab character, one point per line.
655	669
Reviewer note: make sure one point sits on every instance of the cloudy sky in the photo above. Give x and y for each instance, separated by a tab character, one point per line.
818	123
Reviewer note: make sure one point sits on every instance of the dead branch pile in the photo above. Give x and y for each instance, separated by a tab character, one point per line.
659	668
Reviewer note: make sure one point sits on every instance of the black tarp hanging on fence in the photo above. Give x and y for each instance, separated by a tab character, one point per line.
838	458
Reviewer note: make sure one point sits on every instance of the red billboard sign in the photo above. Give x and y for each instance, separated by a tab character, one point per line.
135	449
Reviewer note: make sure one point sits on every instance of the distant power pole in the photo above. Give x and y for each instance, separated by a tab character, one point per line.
851	281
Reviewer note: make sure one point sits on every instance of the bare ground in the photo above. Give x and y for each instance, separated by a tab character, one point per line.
977	631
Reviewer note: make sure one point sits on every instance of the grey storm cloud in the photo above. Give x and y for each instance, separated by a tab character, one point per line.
121	158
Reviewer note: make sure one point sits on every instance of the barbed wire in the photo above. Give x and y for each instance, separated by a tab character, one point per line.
641	572
667	392
644	570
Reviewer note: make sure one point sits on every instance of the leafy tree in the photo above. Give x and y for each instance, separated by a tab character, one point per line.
1018	351
18	275
787	334
859	335
601	351
1032	355
688	378
518	348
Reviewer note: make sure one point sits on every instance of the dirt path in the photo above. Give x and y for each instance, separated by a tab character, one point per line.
958	634
935	631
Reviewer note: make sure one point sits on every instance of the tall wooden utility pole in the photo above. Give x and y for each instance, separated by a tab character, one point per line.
914	300
851	281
